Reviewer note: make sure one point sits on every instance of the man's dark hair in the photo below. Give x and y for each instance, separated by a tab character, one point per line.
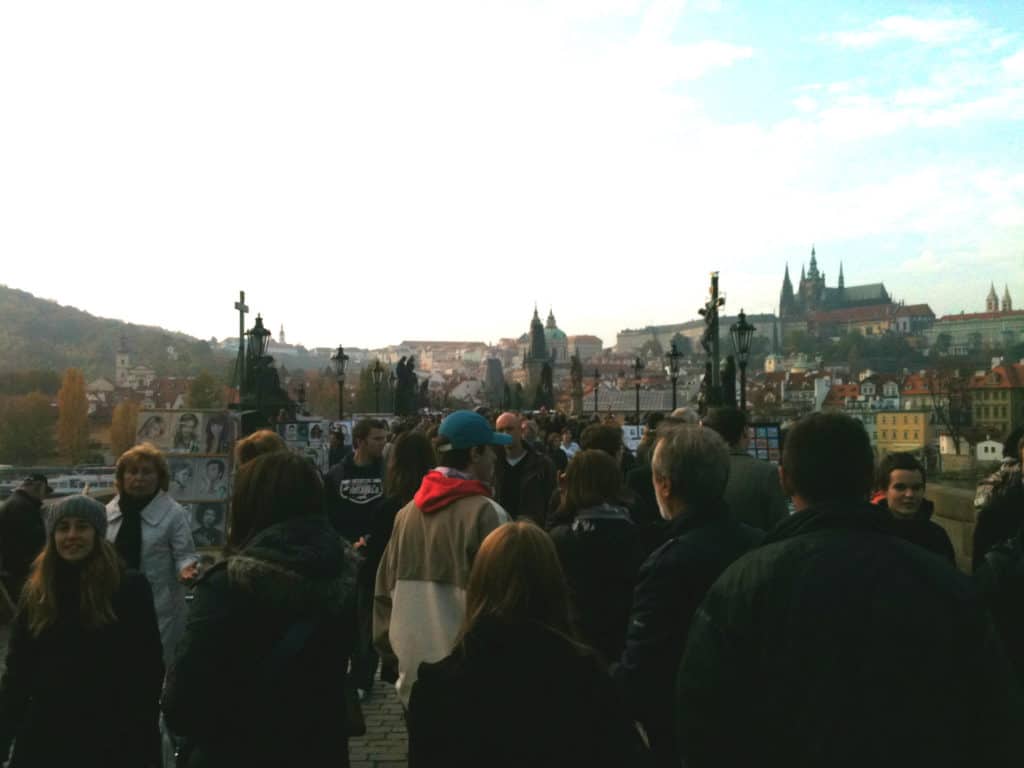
828	456
363	427
893	461
602	437
728	422
653	420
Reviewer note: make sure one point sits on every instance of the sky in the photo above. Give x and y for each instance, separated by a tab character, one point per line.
370	172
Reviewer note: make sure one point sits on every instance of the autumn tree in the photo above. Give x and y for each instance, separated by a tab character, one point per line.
26	428
204	392
72	416
122	426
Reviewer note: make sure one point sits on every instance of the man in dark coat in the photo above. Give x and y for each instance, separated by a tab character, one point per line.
690	466
22	532
753	492
523	478
839	643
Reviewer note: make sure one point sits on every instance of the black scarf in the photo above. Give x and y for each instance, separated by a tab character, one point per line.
128	541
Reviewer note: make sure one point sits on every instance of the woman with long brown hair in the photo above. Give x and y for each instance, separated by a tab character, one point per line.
260	675
599	550
84	665
518	689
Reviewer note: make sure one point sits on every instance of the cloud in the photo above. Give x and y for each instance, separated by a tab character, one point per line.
1014	65
892	28
926	262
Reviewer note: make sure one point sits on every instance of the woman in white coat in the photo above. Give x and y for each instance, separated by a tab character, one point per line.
151	532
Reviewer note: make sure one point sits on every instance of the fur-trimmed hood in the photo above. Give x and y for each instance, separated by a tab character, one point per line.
299	566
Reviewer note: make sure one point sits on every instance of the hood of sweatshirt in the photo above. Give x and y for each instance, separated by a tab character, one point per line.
438	491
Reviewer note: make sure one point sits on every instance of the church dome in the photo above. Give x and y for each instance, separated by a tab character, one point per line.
555	334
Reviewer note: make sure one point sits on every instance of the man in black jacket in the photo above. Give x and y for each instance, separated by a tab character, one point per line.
690	467
22	532
839	643
523	478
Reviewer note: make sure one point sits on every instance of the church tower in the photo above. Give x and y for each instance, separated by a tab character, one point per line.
786	302
122	364
842	282
537	351
992	300
280	336
1007	302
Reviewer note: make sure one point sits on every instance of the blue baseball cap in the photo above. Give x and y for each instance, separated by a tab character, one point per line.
465	429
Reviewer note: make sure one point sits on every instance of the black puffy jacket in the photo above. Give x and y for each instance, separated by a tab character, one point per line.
235	708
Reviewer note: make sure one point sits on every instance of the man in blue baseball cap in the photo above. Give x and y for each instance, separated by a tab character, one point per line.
420	595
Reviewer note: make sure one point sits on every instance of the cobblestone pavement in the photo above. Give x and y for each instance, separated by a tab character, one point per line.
385	744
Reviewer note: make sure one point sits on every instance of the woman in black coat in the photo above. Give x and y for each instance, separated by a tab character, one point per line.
518	690
84	663
599	551
260	677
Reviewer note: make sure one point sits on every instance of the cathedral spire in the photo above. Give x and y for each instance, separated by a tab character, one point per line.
842	282
551	319
992	300
803	275
1007	301
812	273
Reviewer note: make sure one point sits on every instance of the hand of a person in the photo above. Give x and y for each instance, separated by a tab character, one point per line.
189	573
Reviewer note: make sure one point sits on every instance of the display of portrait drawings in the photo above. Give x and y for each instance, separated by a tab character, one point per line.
187	431
309	439
209	523
199	477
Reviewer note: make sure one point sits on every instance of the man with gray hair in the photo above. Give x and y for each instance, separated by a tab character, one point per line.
689	468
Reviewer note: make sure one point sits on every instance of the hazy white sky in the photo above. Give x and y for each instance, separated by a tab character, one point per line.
376	171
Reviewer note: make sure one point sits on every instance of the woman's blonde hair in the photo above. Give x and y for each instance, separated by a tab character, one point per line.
516	578
99	580
143	452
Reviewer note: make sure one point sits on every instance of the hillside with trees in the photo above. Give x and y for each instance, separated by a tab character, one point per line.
38	334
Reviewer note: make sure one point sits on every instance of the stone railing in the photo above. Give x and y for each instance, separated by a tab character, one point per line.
954	511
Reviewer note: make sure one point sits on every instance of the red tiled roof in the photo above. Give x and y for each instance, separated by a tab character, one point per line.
853	314
983	315
1001	377
915	310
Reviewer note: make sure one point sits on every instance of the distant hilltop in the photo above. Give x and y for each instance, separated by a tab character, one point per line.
42	334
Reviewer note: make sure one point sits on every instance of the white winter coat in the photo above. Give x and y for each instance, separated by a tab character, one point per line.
167	547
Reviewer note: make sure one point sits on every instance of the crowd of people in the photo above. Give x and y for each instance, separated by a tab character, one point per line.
538	594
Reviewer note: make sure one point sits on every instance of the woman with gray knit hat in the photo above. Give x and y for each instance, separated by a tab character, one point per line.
84	662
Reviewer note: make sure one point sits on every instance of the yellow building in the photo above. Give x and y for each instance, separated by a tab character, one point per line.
909	431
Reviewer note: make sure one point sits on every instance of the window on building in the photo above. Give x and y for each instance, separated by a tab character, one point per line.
906	435
917	436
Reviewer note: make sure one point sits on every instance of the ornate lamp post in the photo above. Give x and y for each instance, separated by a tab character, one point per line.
638	368
597	384
338	360
377	372
742	334
672	359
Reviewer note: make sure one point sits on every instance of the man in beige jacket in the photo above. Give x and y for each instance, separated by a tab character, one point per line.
420	594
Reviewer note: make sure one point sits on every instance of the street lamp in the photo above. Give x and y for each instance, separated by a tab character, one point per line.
377	372
638	368
338	360
742	334
672	359
597	383
259	338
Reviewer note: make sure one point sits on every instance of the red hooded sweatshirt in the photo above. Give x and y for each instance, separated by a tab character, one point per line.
437	491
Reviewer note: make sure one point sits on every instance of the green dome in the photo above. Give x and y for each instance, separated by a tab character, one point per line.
552	334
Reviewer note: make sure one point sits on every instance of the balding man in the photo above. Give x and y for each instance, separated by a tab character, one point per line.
523	478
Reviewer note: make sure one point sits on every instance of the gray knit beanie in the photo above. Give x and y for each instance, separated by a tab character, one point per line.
82	507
